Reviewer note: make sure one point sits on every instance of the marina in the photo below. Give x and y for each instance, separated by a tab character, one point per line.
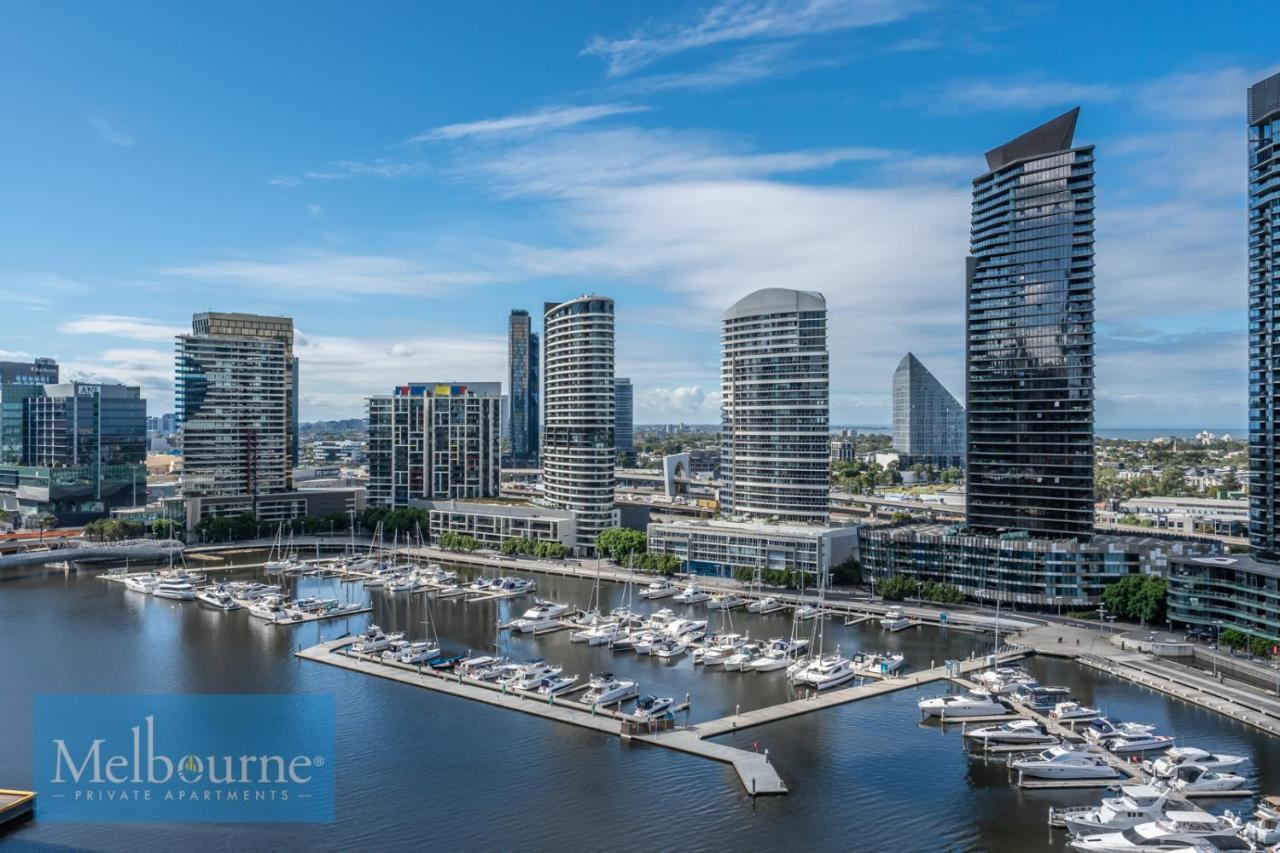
727	720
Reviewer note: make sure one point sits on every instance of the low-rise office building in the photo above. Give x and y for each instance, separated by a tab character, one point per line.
494	523
717	547
1015	568
276	507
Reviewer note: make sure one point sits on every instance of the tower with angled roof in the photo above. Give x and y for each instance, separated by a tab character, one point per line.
928	423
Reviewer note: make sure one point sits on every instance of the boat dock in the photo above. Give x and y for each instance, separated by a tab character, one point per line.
304	616
755	772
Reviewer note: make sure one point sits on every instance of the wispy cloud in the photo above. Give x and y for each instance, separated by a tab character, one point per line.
547	118
327	274
747	65
738	20
109	133
1023	93
135	328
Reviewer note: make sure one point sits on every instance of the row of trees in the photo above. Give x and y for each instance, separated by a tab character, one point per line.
862	478
403	521
451	541
542	549
112	530
621	544
1138	597
901	588
1240	640
247	526
770	577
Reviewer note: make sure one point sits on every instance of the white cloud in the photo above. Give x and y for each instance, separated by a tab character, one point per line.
729	21
149	369
111	134
756	62
547	118
691	404
324	274
1024	93
136	328
1201	96
316	211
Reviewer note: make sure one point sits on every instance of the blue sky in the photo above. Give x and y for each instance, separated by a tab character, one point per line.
397	177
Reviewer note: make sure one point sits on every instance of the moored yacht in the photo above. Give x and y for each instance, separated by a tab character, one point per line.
806	612
1175	830
826	672
1138	743
778	655
515	586
604	689
659	589
144	584
669	649
650	707
176	590
1063	762
557	684
728	601
1014	731
420	651
719	649
1072	711
533	675
372	639
1135	804
1194	779
273	609
894	620
1099	731
1264	828
741	660
216	596
1165	765
877	663
972	703
540	617
691	594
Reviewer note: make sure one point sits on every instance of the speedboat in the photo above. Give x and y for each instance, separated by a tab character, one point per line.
894	620
972	703
604	689
765	606
1138	743
444	663
669	649
177	590
826	672
649	707
531	676
659	589
806	612
719	649
144	584
1193	779
687	629
557	684
1103	728
483	585
777	655
1014	731
1063	762
691	594
372	639
217	597
1264	828
1072	711
418	652
741	660
728	601
646	640
603	634
1176	829
1177	756
1136	804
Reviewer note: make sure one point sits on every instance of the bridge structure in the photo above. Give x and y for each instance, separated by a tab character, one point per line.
80	549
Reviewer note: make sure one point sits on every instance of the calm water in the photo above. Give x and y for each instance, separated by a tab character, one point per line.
419	770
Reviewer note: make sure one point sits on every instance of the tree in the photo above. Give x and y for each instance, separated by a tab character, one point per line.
46	521
620	543
165	528
1137	597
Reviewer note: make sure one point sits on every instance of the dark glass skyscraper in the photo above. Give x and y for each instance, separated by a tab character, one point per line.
522	388
928	423
1264	315
1029	347
624	421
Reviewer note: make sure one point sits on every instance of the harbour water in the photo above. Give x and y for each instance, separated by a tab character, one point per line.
419	770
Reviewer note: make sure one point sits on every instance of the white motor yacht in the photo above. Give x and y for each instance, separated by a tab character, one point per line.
557	684
1125	744
659	589
540	617
176	590
251	591
972	703
531	676
1072	711
1063	762
420	651
1002	680
604	689
1102	729
741	660
144	584
660	621
1135	804
806	612
1175	757
728	601
687	629
649	707
1175	830
765	606
1194	779
877	663
719	649
471	667
273	609
646	640
1264	828
691	594
516	586
777	655
603	634
217	597
826	672
372	639
1014	731
894	620
669	649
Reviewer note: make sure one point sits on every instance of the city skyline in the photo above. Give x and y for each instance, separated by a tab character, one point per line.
669	135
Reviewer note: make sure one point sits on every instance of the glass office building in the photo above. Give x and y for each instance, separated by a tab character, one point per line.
1264	316
624	421
1029	347
928	423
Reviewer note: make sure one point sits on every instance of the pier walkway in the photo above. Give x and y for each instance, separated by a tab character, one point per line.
754	771
818	701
